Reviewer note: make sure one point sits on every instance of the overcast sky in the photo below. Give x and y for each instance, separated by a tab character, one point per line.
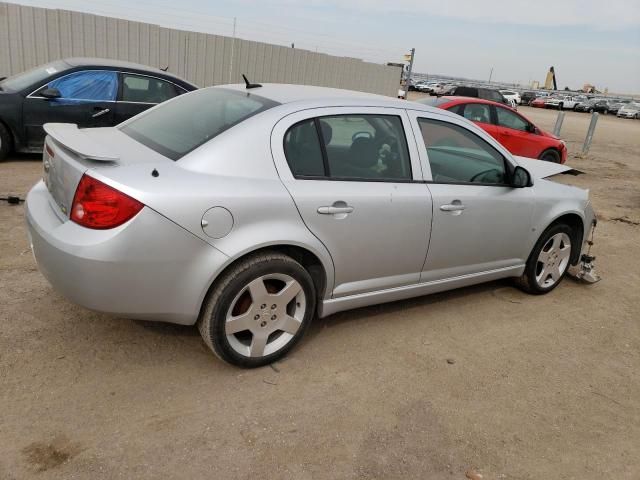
593	41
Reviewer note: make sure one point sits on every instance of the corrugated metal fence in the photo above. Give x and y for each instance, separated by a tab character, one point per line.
31	36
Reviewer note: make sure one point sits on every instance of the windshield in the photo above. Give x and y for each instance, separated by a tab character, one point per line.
177	127
32	77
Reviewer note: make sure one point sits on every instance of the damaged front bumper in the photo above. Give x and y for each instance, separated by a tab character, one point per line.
584	270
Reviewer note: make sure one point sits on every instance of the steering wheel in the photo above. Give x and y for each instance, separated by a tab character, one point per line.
361	135
496	171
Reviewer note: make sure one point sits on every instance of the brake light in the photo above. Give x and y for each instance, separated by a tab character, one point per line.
49	150
99	206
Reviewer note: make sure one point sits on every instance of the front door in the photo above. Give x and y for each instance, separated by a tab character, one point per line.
87	98
356	182
514	134
480	224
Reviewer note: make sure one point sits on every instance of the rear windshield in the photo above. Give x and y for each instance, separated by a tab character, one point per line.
433	101
175	128
34	77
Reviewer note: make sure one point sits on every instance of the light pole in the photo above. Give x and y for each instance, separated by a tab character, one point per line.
490	74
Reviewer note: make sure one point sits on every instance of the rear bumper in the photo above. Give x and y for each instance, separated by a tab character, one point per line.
149	268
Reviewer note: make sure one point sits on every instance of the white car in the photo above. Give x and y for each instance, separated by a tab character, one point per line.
562	102
511	95
631	110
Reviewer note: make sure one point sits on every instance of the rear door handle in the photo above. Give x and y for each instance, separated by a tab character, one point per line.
452	207
334	210
100	112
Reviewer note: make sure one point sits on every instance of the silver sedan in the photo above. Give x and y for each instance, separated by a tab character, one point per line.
249	210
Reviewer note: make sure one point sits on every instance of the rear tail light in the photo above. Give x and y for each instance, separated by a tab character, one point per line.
99	206
49	150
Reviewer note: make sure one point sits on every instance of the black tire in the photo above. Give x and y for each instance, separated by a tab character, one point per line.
211	323
550	155
527	281
6	142
560	107
591	110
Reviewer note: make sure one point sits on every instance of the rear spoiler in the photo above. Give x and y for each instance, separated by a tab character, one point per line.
75	139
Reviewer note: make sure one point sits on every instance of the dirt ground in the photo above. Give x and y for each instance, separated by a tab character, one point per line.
484	378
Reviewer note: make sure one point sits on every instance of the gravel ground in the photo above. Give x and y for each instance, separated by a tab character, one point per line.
483	379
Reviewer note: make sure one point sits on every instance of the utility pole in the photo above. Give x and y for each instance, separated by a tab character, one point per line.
408	77
233	44
490	74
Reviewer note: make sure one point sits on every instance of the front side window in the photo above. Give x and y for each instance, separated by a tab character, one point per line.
477	112
512	120
175	128
143	89
89	85
352	147
457	155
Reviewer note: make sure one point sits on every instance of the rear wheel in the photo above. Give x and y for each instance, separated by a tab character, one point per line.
548	261
550	155
560	106
5	142
258	310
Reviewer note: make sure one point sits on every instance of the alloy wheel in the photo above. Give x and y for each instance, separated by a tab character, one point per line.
553	260
265	315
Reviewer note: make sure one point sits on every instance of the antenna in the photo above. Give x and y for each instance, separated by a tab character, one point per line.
249	84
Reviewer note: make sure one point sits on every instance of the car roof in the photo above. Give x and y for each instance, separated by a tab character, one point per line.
454	100
110	63
300	97
288	93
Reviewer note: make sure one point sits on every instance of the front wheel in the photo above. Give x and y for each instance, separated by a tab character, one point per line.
5	142
258	310
548	261
550	155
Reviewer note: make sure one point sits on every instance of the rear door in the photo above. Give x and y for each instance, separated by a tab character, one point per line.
139	92
480	114
513	133
356	181
87	99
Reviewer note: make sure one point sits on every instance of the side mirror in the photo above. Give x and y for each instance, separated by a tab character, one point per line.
521	178
50	93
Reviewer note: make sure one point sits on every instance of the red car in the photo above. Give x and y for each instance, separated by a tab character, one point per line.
514	131
540	102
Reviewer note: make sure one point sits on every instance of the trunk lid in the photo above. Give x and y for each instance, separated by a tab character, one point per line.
69	152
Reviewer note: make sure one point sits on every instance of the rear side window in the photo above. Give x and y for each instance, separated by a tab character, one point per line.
303	151
457	155
477	112
351	147
175	128
143	89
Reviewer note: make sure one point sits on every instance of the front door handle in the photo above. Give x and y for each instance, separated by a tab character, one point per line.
452	207
100	112
334	210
